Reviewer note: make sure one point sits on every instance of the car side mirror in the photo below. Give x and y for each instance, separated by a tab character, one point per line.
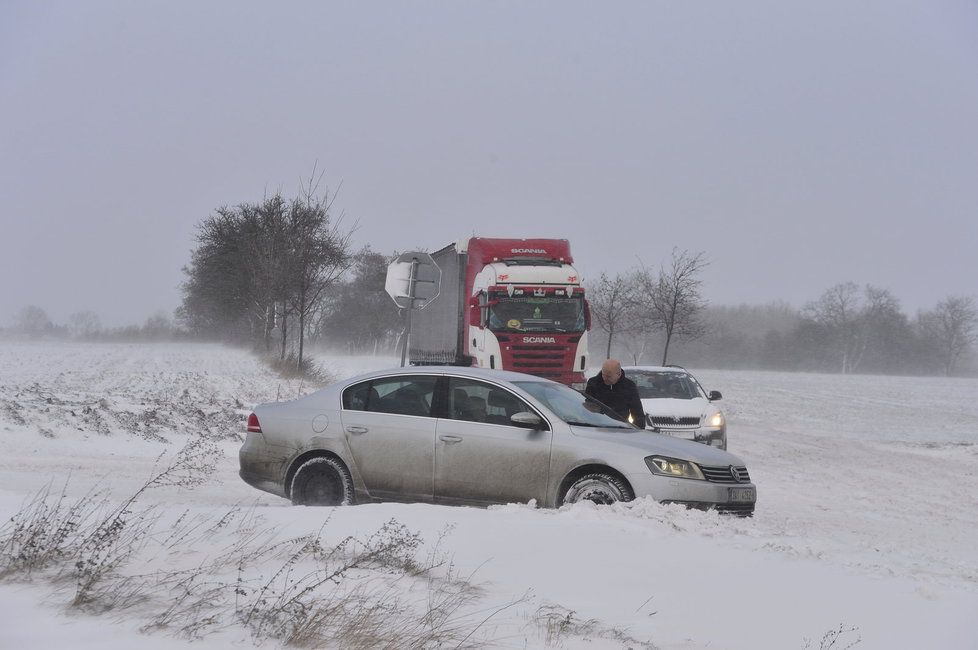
715	395
527	419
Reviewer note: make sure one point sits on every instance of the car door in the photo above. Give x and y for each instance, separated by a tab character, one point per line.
480	456
388	425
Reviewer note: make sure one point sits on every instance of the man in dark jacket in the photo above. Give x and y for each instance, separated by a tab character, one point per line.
613	389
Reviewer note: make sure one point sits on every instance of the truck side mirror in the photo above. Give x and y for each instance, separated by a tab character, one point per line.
587	316
476	312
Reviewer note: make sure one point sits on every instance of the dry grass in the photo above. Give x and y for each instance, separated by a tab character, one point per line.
840	638
559	624
309	372
371	592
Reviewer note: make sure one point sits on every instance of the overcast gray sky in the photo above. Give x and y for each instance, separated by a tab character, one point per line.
798	145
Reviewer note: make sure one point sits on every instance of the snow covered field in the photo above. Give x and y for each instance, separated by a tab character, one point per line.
867	522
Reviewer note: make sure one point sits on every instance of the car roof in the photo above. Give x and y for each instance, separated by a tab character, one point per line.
463	371
655	368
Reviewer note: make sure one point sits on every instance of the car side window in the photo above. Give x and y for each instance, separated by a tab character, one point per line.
411	395
473	401
355	397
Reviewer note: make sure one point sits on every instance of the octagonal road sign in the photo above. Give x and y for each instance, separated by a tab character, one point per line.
413	280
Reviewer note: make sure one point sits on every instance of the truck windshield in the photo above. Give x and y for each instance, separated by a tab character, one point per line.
536	314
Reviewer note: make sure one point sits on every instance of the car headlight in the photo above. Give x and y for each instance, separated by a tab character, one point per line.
674	467
715	420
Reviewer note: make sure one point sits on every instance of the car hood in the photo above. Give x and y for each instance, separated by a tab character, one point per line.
649	442
679	407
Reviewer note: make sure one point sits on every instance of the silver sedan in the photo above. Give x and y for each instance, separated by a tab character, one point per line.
475	436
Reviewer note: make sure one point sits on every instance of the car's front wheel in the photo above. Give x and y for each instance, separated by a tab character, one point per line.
602	489
322	481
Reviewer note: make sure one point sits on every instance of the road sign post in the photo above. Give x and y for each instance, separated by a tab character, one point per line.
413	281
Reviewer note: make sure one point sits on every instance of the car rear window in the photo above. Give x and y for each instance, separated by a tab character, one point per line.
401	395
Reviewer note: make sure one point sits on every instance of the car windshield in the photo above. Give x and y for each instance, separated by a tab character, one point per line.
536	314
572	407
665	384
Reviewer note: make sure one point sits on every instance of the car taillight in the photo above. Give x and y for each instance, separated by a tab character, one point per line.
253	425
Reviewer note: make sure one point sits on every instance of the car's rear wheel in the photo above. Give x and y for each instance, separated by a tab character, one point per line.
602	489
322	481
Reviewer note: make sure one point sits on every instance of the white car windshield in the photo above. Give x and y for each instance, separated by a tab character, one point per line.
572	407
665	384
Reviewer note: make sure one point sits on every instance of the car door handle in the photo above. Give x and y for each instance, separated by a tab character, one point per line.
357	430
450	439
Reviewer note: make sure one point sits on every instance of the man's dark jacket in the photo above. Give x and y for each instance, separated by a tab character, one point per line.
622	397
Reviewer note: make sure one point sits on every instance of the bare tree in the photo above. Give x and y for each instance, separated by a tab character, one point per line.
953	327
264	242
258	265
218	291
612	302
884	330
358	314
839	309
673	302
319	252
34	321
84	324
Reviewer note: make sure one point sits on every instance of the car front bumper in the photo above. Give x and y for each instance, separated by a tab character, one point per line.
734	498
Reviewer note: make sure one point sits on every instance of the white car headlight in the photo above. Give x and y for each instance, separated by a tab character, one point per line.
715	420
674	467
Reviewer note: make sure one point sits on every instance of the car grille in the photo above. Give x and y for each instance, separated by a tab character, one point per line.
668	422
740	509
723	475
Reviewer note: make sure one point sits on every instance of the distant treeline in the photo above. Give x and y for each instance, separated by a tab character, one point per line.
33	322
874	337
358	317
280	274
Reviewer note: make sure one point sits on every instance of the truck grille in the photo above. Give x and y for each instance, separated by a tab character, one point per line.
552	361
559	357
537	364
538	358
723	475
539	348
668	422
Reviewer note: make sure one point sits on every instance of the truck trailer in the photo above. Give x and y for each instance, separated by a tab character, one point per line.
508	304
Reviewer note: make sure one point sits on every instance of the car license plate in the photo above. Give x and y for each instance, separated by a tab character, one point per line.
742	495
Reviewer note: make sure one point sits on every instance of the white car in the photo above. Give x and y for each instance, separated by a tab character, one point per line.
677	405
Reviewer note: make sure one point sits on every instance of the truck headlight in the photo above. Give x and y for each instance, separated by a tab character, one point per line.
715	420
674	467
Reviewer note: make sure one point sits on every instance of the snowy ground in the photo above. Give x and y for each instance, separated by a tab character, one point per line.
867	519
